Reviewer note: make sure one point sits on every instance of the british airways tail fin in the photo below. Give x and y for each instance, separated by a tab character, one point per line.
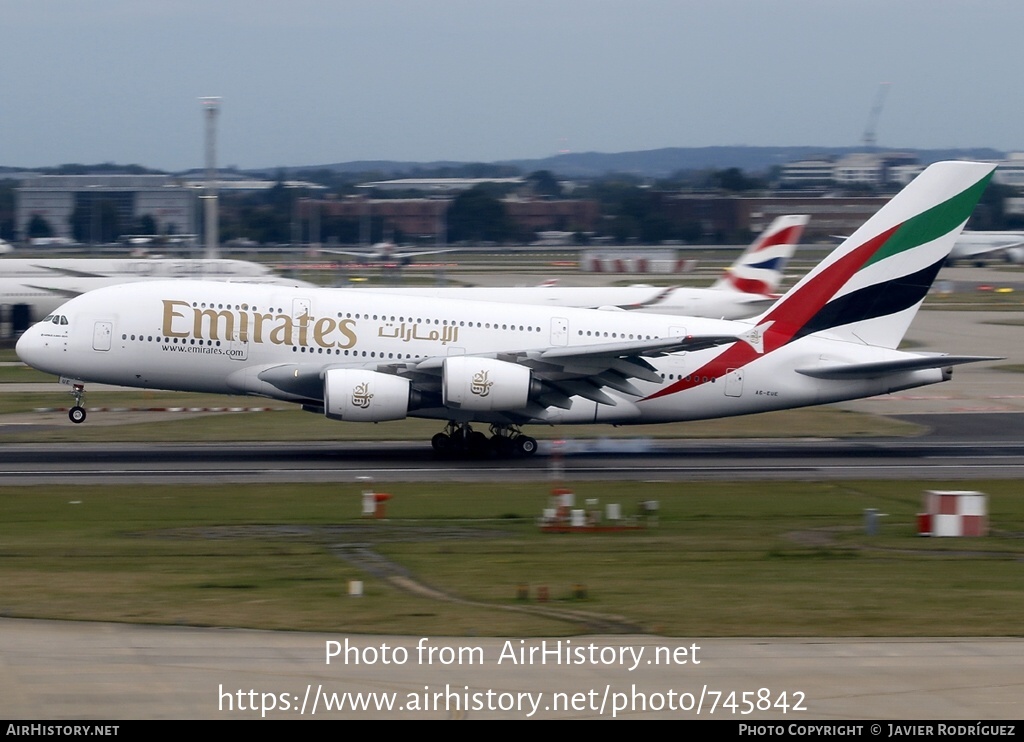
759	269
870	287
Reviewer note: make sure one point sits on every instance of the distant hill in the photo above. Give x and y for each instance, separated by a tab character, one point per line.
655	163
660	163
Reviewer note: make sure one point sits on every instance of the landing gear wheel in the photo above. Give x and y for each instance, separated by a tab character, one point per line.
503	446
76	414
441	443
527	445
477	444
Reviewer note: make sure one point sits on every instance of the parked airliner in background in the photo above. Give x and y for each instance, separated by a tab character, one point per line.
747	287
975	246
37	286
366	357
386	252
145	267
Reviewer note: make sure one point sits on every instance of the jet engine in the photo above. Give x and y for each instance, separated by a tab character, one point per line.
486	384
359	395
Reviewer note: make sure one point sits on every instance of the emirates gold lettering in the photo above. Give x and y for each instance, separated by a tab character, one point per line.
480	386
347	328
282	334
361	395
169	316
304	329
221	324
321	329
182	319
258	319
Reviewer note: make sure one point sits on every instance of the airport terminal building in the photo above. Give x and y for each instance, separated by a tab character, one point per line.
101	208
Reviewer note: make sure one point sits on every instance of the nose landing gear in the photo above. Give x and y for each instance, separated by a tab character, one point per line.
77	413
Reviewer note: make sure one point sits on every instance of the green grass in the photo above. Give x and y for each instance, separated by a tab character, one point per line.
22	374
725	559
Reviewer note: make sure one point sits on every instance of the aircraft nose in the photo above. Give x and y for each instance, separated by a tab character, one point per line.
27	344
33	349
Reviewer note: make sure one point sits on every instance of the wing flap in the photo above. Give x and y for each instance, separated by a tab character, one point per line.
652	347
563	372
876	369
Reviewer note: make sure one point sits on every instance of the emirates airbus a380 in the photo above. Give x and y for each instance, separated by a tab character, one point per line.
363	356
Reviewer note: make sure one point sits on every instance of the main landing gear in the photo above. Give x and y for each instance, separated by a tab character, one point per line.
77	413
459	439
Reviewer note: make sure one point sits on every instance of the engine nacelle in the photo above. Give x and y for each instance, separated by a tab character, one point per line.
486	384
359	395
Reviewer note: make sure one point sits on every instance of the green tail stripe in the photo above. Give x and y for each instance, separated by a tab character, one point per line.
933	223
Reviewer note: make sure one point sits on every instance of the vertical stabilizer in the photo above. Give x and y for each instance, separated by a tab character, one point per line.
759	269
871	286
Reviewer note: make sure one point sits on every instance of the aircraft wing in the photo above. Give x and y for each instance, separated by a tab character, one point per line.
403	255
389	256
69	272
875	369
560	372
966	250
740	298
66	293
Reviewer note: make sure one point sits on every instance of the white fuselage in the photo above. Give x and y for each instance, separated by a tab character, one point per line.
203	268
677	300
977	244
46	283
209	337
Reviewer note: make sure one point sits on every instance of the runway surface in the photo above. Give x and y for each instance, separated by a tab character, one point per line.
976	446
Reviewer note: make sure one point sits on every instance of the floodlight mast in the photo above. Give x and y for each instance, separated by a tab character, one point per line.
869	137
211	105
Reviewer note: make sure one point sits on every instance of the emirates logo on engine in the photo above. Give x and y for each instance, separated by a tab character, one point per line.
361	396
480	386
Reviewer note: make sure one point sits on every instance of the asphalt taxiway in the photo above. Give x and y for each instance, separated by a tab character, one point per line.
958	447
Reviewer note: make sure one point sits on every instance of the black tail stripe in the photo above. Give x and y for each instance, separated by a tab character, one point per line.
870	302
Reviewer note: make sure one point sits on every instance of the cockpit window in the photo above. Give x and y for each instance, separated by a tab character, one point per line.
56	319
63	320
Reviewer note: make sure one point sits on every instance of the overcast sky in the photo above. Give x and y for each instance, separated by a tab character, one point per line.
319	81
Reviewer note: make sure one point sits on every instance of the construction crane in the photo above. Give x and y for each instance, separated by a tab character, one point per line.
876	111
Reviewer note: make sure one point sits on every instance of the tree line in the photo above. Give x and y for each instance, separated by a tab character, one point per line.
631	208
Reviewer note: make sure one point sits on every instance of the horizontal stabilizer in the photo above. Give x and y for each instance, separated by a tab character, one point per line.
884	368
